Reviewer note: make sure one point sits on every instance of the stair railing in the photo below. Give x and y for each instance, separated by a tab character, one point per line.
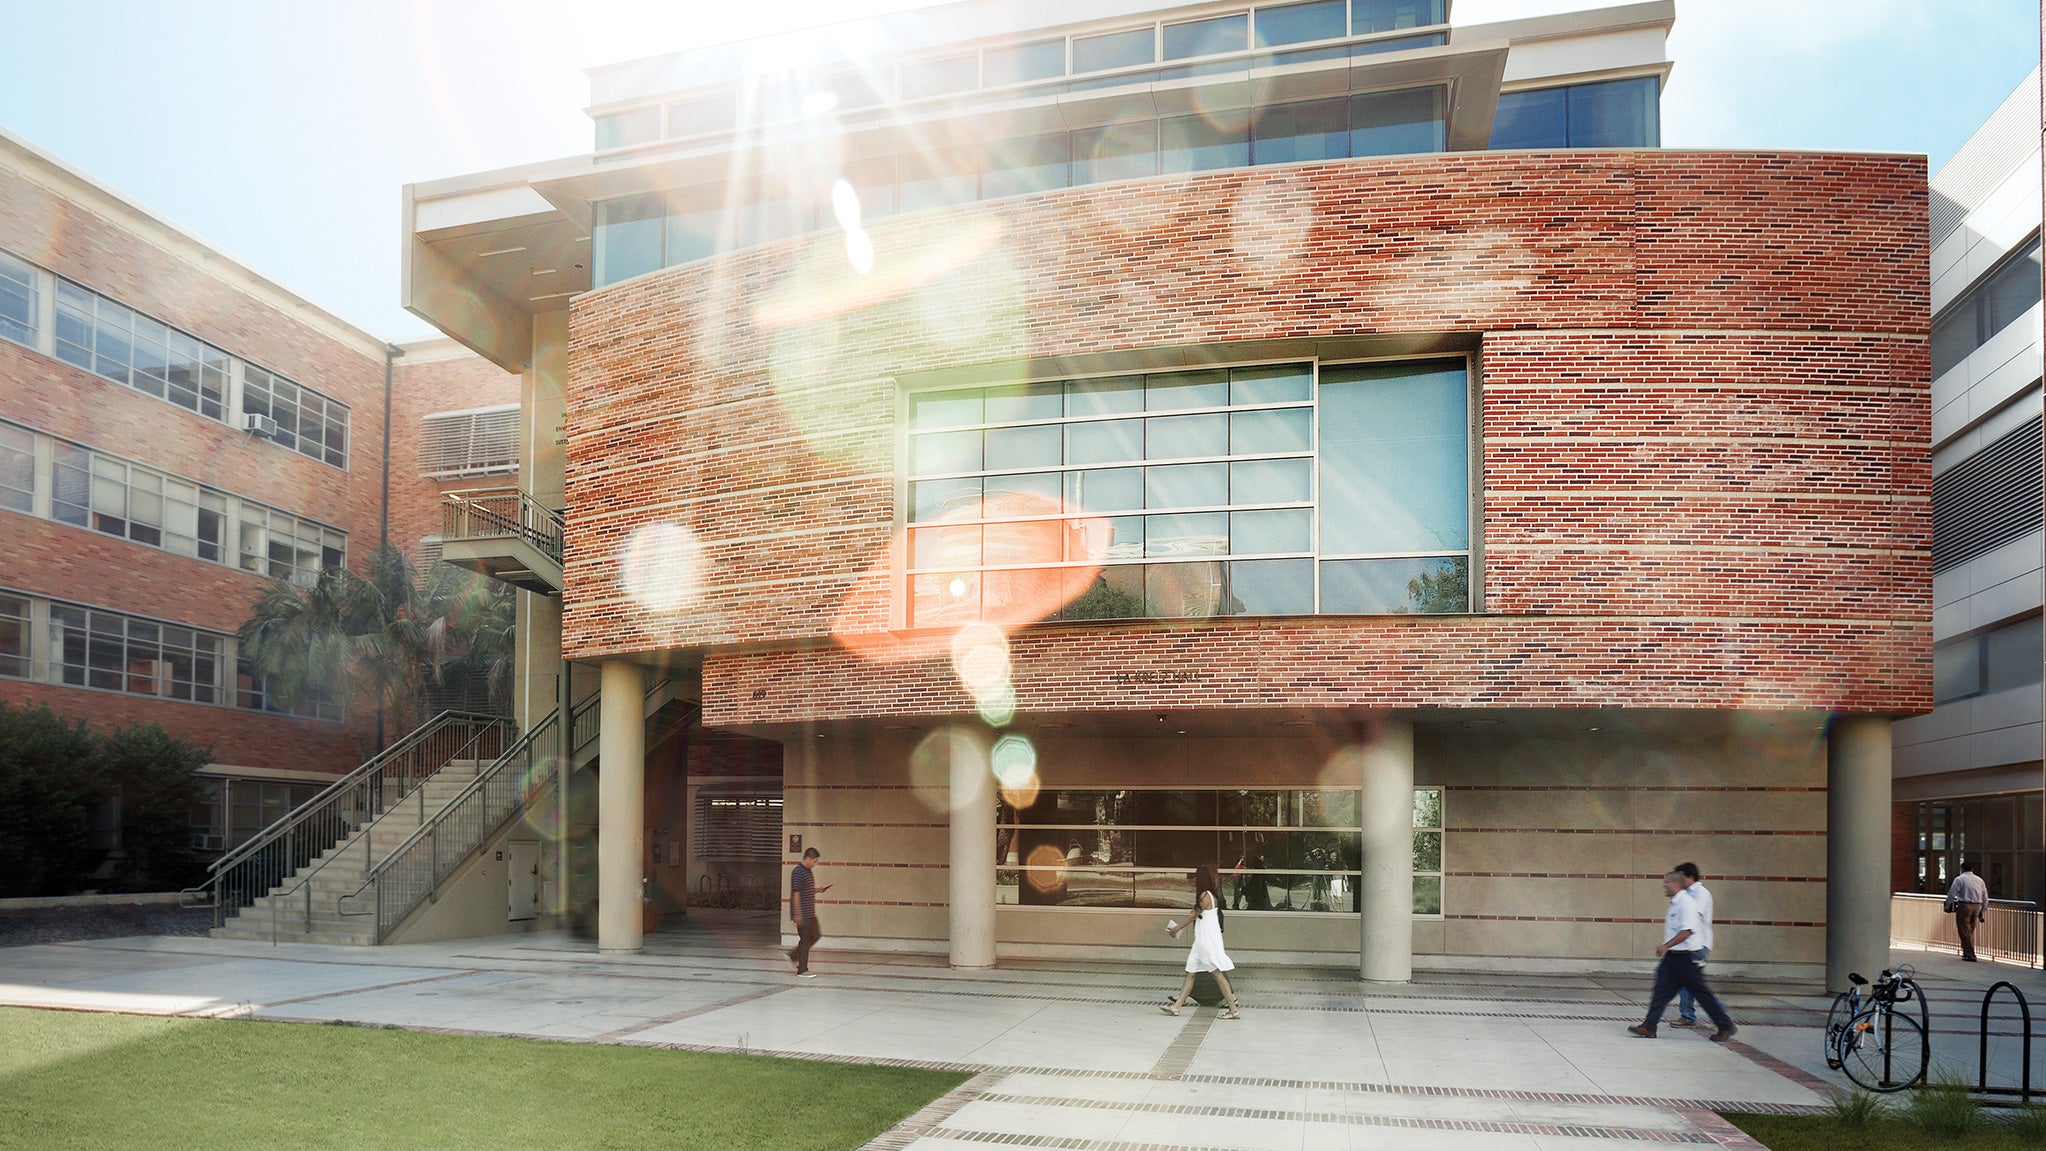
413	871
479	747
348	804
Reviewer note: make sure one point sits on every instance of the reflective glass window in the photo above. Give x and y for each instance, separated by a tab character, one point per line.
1310	130
1105	490
935	179
18	299
1015	403
1270	431
1396	123
1174	391
1033	446
1270	384
1299	23
1536	119
1368	16
1956	669
1105	396
1420	585
1114	50
1270	481
1186	486
1986	309
17	468
1196	534
1394	465
623	129
939	452
1186	437
1022	63
1616	114
628	238
1269	587
1203	142
931	499
929	410
14	633
702	116
938	77
2011	656
1209	37
1125	151
1027	164
1105	442
1278	530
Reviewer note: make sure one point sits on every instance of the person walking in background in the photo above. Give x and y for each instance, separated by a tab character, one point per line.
1968	899
803	892
1694	886
1679	968
1206	954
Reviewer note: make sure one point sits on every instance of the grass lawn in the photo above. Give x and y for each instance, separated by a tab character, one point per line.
1823	1133
69	1079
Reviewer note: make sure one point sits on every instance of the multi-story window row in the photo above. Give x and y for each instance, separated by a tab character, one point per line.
1312	31
639	234
75	645
1993	304
105	493
1273	489
83	328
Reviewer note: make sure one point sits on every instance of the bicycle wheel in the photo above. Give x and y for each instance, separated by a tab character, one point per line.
1844	1007
1883	1051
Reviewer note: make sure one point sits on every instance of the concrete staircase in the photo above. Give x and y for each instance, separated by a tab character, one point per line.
342	869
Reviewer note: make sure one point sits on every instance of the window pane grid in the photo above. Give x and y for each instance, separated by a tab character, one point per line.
131	349
19	300
1178	503
91	648
307	422
14	637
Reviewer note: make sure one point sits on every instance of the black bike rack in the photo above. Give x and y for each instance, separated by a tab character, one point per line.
1982	1087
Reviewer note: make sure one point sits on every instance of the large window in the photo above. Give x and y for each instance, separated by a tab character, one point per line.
1275	850
18	300
17	468
1987	662
1607	114
129	348
92	648
110	495
1986	309
254	692
307	422
1192	493
14	633
284	546
1999	834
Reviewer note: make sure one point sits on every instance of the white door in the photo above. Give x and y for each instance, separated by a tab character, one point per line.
525	880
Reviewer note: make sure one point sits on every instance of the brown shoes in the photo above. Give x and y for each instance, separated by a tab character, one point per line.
1725	1033
1643	1030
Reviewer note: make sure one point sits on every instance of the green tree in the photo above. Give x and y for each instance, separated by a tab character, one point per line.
156	773
51	783
384	636
1443	590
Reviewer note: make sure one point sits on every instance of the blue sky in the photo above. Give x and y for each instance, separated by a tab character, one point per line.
282	132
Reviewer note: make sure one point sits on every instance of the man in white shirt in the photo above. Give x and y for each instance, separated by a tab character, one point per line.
1694	886
1681	925
1969	897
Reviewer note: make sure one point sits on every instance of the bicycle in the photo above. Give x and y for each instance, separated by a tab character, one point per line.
1878	1049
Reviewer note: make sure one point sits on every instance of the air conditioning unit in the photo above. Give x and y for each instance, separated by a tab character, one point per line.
256	423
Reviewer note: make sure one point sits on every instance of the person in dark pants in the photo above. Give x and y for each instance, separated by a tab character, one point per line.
803	892
1968	899
1681	927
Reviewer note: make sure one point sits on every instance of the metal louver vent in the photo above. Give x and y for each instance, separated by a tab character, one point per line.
1988	499
481	442
738	823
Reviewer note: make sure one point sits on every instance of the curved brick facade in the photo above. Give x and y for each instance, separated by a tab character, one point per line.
1702	385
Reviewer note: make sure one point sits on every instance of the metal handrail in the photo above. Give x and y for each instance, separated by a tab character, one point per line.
414	870
469	750
348	804
502	512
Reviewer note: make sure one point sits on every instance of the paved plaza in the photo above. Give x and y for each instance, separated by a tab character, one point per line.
1076	1055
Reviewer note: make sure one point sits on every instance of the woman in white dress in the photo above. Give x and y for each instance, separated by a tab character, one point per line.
1206	953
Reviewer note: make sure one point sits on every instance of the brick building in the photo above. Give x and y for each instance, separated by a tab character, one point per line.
176	431
1316	440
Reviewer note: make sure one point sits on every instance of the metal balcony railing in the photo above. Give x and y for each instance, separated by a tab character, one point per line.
501	513
2011	931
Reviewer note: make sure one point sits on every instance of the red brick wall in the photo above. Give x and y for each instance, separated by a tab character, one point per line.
1704	421
426	382
76	232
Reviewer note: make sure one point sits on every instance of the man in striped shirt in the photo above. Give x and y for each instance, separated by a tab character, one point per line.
803	892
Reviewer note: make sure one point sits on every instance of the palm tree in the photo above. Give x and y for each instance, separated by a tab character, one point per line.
385	635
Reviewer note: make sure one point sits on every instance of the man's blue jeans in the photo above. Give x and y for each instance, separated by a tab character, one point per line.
1687	1008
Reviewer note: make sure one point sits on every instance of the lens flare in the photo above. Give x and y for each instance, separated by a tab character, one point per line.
998	707
1047	868
1271	225
930	765
1014	759
661	567
845	203
980	656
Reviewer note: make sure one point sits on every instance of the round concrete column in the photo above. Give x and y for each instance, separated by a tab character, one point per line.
621	806
973	861
1386	897
1857	847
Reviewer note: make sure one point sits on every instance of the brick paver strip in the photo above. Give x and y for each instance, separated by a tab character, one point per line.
1179	1054
1490	1126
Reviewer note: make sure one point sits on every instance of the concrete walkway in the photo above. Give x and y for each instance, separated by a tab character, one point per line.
1074	1055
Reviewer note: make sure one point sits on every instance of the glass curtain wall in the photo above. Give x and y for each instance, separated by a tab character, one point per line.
1277	489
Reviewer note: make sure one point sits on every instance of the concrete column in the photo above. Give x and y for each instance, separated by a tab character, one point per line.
1857	847
1386	897
621	806
973	860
